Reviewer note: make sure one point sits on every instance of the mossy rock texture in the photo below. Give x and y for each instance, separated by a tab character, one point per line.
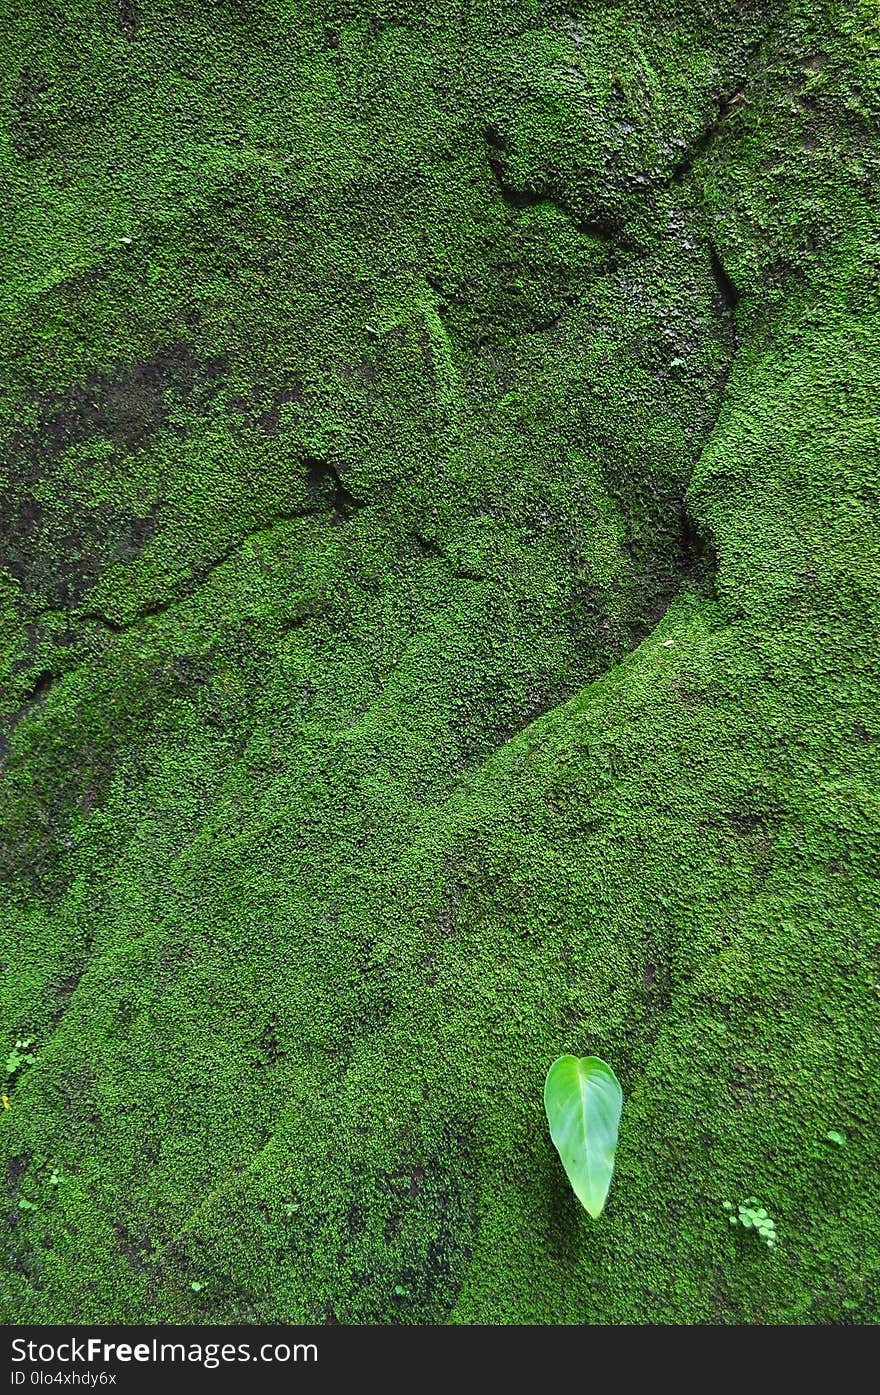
439	599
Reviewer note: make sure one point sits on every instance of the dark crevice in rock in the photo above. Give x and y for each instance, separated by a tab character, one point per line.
445	295
726	289
128	16
544	326
699	562
690	553
29	127
296	622
726	105
68	986
431	548
42	685
728	297
323	478
519	199
198	577
428	546
684	561
270	420
730	101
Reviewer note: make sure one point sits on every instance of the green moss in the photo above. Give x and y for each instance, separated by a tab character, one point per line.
438	615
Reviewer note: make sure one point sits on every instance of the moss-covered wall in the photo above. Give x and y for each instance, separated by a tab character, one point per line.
438	630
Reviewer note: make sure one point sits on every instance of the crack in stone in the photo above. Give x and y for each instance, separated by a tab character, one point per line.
728	103
431	548
518	199
197	579
344	505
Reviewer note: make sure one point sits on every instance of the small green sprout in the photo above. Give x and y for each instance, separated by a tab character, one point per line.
751	1215
20	1055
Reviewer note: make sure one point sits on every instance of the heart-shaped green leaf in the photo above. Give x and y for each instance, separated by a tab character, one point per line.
583	1100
